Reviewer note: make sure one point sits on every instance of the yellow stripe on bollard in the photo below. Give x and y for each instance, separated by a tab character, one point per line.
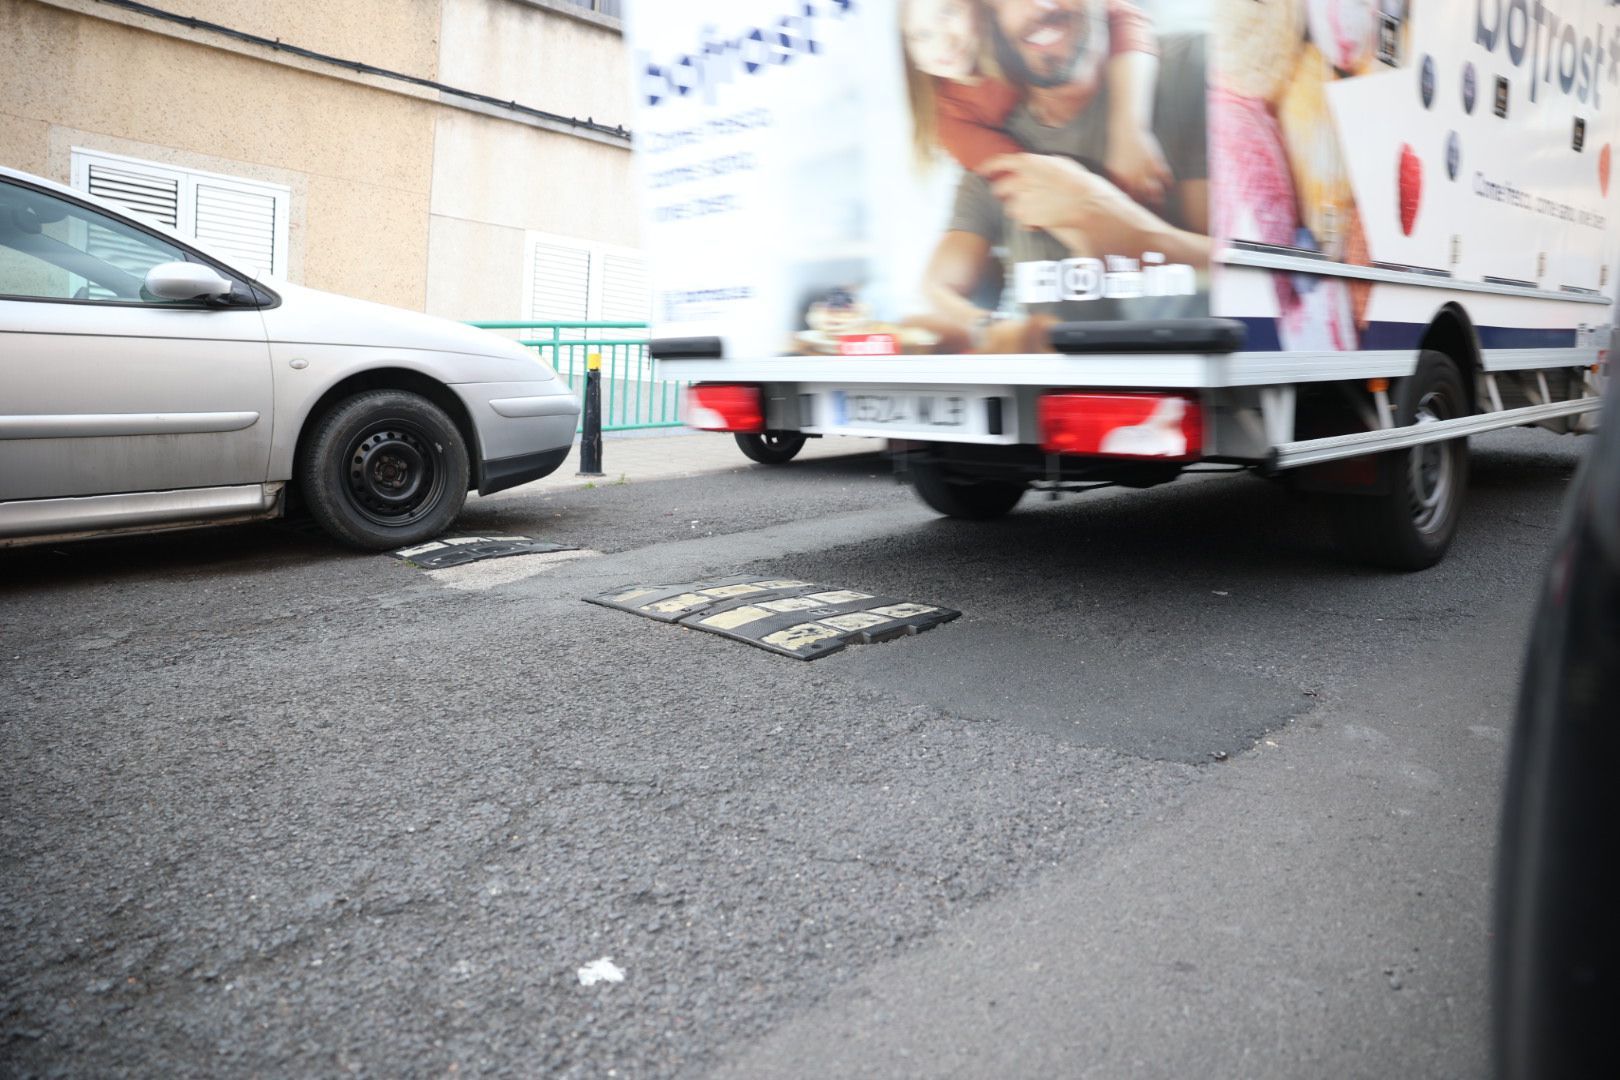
593	362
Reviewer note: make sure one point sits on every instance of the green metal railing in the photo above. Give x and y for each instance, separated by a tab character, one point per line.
632	400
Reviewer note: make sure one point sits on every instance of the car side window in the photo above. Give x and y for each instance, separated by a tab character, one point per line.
53	249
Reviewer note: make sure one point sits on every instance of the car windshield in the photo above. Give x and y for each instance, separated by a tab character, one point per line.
54	249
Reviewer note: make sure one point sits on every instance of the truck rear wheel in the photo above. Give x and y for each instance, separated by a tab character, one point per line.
1410	526
959	497
771	447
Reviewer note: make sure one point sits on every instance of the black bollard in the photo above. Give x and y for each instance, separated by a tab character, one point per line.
590	440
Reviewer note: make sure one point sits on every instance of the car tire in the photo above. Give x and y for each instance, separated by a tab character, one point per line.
957	497
384	469
771	447
1410	526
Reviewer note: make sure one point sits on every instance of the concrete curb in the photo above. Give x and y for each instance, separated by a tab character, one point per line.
640	458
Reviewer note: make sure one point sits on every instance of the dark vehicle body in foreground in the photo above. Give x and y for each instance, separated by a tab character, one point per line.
1556	919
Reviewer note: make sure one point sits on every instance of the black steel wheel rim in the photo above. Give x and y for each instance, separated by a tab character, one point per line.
393	473
1432	469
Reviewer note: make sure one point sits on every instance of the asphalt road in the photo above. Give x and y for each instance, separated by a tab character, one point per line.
1179	794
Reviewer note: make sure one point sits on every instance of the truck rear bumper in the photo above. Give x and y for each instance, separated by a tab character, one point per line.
1278	411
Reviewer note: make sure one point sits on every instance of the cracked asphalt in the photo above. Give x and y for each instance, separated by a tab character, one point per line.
1179	794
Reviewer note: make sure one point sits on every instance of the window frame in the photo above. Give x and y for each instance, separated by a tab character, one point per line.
81	158
265	297
595	8
586	11
595	252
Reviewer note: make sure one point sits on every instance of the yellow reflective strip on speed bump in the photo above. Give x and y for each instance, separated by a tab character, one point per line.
683	602
626	597
840	596
799	637
730	620
904	611
857	620
793	603
723	591
780	583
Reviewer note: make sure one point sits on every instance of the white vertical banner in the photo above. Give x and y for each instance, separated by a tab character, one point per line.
772	161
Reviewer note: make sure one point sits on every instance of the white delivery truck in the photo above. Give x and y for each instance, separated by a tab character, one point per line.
1054	243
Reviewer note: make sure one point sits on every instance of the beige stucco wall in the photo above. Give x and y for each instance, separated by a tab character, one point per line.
397	196
520	52
362	158
484	170
401	35
476	270
494	180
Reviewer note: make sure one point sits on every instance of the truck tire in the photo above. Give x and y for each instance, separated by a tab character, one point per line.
1410	526
384	469
970	500
772	447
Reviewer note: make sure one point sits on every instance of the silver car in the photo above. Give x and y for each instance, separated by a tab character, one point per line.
147	385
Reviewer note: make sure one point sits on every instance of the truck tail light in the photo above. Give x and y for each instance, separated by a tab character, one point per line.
723	407
1167	427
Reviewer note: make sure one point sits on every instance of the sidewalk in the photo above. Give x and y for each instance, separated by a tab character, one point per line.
630	459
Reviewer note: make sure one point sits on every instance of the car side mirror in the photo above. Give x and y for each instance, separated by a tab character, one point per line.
186	281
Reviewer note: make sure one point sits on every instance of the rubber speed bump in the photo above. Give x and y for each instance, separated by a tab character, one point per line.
793	618
460	550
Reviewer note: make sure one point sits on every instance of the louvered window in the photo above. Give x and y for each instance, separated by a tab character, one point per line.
150	195
624	288
240	224
561	283
244	222
570	280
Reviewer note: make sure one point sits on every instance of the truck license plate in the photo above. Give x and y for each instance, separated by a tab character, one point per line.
960	414
916	409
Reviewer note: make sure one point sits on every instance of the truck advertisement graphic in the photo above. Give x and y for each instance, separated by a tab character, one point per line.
1054	244
859	177
867	177
1388	133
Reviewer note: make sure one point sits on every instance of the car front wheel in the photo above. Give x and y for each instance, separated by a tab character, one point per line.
384	469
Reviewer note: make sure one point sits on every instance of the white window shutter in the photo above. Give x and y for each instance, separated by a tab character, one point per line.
572	280
624	289
238	223
147	193
244	221
560	286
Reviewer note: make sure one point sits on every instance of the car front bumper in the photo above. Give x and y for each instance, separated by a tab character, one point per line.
525	429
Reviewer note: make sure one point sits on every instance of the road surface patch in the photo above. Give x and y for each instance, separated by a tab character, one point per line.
791	618
480	576
460	550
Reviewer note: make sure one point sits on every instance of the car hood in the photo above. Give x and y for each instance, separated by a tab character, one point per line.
310	316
